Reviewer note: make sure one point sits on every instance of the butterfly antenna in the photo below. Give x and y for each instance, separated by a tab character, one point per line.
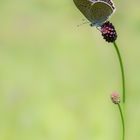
83	23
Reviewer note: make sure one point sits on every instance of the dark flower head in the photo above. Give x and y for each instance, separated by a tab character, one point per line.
108	32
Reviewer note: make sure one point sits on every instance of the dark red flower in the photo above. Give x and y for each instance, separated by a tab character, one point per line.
108	32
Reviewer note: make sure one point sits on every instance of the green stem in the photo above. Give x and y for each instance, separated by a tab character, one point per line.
123	124
122	70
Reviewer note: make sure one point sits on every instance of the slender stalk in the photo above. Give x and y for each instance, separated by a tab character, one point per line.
122	70
123	123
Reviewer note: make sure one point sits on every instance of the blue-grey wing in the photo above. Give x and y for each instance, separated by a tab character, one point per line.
85	7
96	11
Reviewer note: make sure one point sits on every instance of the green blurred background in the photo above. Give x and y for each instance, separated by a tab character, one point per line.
56	78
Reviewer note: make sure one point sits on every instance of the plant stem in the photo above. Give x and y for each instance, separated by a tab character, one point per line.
122	70
123	124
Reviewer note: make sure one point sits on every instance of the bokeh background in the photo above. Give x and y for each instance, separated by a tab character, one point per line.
56	78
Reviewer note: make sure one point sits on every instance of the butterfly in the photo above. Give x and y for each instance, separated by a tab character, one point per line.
96	11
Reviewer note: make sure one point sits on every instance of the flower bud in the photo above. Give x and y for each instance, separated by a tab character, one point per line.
115	97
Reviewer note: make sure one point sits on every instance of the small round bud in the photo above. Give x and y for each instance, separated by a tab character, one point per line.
115	97
108	32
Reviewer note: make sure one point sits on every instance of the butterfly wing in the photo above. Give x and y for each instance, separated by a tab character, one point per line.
96	11
100	12
84	6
